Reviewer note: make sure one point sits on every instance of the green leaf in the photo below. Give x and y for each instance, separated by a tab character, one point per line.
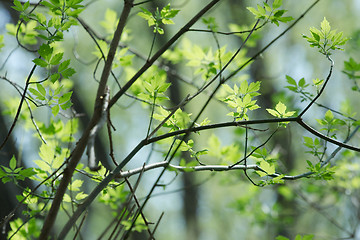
64	65
261	10
64	98
18	6
285	19
329	116
267	167
1	41
80	196
54	77
298	237
281	238
267	7
55	110
302	82
273	112
12	163
28	172
40	62
308	141
68	72
315	36
290	80
45	51
55	60
253	11
281	108
277	4
41	89
37	94
279	13
243	87
308	237
325	26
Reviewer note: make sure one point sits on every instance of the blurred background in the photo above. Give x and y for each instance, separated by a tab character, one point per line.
207	205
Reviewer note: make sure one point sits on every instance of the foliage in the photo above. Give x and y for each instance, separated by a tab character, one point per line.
210	73
326	39
159	17
272	14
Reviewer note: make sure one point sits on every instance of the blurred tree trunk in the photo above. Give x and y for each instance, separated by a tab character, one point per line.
281	139
190	193
282	143
9	190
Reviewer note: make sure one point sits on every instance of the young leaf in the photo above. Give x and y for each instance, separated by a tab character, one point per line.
45	51
40	62
41	89
277	4
64	98
55	60
55	110
12	163
64	65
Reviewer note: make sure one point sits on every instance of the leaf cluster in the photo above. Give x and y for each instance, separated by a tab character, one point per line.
159	18
14	173
280	112
26	32
301	87
241	99
228	154
330	123
352	69
63	16
321	172
272	14
325	39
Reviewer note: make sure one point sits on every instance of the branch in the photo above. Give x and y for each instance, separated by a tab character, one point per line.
18	89
166	46
81	144
117	170
166	164
141	144
221	125
322	89
20	106
326	138
272	42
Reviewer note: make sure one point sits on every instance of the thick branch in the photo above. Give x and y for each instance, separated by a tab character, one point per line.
81	144
113	47
326	138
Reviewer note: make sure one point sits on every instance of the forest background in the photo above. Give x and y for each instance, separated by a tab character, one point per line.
226	119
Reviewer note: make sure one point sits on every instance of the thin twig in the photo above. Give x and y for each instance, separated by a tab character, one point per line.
19	107
322	88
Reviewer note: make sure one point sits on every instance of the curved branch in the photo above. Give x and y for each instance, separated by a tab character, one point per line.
326	138
20	106
322	89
